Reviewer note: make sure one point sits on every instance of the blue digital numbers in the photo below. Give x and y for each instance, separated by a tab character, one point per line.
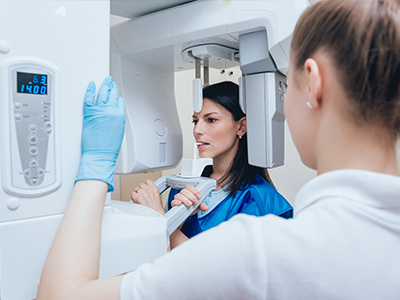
30	83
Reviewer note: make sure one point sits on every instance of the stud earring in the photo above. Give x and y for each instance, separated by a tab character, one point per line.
309	105
240	137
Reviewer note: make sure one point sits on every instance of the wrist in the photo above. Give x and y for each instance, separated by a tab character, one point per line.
97	166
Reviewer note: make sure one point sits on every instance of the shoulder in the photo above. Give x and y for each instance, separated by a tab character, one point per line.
261	188
266	197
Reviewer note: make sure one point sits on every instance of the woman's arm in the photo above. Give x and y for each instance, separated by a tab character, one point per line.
147	194
72	267
188	196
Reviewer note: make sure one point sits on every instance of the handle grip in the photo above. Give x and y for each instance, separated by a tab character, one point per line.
178	214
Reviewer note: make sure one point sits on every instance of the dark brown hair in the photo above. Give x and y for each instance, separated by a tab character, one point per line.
240	174
362	39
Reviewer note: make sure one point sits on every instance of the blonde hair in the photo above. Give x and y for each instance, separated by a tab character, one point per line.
363	40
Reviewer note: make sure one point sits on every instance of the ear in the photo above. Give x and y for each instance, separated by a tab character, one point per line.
242	126
314	82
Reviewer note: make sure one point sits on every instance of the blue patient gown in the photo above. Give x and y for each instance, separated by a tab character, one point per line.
257	199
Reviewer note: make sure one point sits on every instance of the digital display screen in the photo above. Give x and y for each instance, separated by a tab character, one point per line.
30	83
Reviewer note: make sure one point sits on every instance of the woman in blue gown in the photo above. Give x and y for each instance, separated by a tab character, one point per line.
220	132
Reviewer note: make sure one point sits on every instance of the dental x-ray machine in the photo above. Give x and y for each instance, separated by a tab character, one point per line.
51	50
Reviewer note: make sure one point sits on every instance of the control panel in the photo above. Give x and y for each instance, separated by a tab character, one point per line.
32	127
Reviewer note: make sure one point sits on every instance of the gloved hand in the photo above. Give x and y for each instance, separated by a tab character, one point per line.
102	132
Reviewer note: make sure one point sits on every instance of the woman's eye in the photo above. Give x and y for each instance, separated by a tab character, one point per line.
194	122
211	120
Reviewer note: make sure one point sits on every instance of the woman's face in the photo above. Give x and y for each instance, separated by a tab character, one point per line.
215	131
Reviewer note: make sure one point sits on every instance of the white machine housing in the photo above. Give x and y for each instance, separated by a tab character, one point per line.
146	51
66	45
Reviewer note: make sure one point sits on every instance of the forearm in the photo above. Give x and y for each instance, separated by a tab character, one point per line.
177	238
74	256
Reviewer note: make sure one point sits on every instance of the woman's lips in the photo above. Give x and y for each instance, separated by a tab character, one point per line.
201	145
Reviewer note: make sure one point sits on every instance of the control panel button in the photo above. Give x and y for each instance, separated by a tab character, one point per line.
27	173
33	139
48	125
40	172
34	163
18	117
32	128
33	150
17	105
48	130
34	181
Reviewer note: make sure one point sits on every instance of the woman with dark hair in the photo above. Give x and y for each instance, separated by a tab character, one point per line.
220	132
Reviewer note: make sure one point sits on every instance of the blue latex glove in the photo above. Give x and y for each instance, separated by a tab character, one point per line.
102	132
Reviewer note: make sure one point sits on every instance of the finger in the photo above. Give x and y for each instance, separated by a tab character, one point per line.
113	96
182	198
203	206
193	190
121	104
90	93
176	203
152	185
134	197
104	90
143	187
189	195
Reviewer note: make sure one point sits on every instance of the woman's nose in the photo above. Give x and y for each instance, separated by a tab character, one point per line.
198	128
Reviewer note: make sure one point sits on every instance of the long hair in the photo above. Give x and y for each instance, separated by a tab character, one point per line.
240	174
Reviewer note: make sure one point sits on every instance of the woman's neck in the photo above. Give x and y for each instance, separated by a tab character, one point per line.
221	165
356	147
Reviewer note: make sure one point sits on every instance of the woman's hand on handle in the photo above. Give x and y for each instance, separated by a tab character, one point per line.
189	196
147	194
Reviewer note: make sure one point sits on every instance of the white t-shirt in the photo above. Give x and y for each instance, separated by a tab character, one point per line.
343	243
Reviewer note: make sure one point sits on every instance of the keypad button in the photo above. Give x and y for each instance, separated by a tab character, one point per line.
17	105
48	130
27	173
34	163
34	181
33	150
48	125
18	117
40	172
33	139
32	128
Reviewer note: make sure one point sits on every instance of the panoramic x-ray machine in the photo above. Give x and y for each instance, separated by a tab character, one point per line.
51	50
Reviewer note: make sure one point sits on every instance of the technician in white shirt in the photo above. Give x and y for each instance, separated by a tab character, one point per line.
343	110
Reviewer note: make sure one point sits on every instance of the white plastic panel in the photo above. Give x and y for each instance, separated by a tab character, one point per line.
153	136
165	35
265	119
69	42
64	51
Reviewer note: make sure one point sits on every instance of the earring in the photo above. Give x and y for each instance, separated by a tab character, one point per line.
309	105
240	137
